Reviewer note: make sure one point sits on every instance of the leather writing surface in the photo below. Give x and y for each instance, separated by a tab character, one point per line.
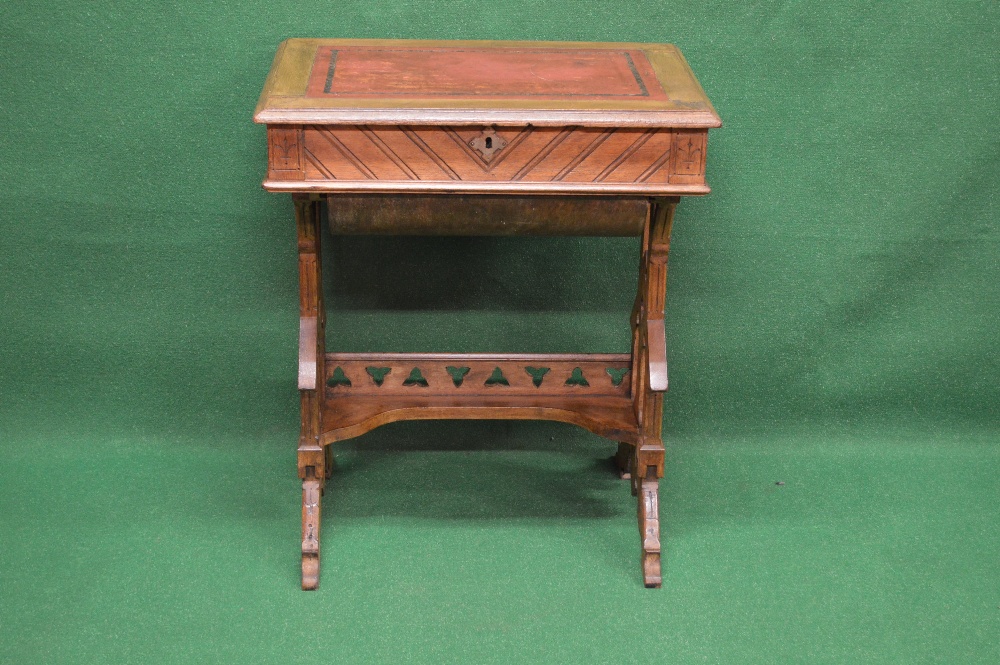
502	73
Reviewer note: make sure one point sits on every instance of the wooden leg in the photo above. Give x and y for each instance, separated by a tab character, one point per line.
312	457
649	381
330	463
623	460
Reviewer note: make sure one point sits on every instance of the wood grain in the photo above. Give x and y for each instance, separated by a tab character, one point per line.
573	158
469	215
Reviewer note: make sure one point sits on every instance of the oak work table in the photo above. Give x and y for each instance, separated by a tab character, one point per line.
485	138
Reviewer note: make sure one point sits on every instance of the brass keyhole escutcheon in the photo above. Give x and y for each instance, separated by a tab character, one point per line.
488	143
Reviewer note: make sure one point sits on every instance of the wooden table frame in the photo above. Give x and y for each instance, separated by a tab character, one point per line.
355	157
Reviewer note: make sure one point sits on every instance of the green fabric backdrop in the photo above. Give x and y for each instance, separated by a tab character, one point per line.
833	325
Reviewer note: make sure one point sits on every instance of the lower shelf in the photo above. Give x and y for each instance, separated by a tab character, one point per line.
588	390
608	416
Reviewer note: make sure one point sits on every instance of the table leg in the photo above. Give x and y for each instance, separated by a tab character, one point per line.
312	457
330	463
649	381
623	460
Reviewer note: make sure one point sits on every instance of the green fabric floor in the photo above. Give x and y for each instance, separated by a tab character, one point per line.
834	320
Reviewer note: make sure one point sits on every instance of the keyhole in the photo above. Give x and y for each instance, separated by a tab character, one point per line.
489	142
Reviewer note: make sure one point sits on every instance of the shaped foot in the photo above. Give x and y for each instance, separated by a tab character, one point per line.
310	572
649	528
311	491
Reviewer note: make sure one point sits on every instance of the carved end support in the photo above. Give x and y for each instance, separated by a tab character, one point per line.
311	455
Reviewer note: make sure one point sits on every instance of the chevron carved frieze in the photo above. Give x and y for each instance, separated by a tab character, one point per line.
526	154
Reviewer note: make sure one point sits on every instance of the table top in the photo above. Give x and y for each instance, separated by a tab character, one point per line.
351	81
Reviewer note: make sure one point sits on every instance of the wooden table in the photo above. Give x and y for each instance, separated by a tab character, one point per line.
485	138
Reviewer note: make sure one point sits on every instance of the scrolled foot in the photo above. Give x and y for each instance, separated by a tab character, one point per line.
649	528
310	572
651	570
311	492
